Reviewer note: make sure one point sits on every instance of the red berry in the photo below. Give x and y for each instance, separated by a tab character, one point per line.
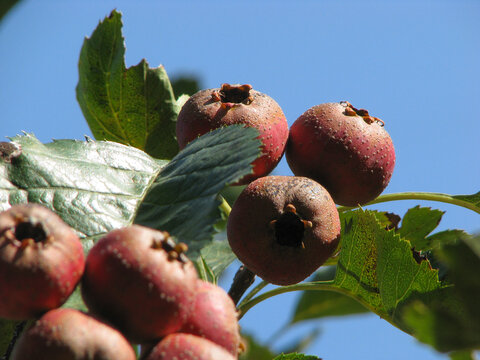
283	228
188	347
139	280
214	317
343	148
236	104
64	333
41	261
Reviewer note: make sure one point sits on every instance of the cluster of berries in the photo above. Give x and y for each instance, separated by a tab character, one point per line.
137	283
284	227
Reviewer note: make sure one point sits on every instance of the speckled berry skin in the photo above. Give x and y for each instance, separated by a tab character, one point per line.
236	104
346	150
41	261
181	346
132	281
283	228
63	333
214	317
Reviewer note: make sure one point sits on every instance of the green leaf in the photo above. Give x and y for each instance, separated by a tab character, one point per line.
254	350
93	186
134	106
186	192
451	320
417	223
319	304
215	258
7	329
377	268
462	355
296	356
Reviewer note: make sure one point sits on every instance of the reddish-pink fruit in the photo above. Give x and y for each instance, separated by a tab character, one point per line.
41	261
63	334
188	347
236	104
139	280
214	317
343	148
283	228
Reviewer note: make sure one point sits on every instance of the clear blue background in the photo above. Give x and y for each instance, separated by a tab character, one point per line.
414	64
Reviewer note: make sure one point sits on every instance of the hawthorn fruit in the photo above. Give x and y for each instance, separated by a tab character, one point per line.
343	148
63	334
283	228
139	280
41	261
214	317
188	347
236	104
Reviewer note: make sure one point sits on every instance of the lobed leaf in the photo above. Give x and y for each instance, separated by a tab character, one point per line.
451	319
377	268
134	106
93	186
417	223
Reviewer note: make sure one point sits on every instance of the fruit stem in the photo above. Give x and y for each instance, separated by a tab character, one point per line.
445	198
317	285
253	292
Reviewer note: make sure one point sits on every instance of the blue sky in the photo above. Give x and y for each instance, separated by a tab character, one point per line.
414	64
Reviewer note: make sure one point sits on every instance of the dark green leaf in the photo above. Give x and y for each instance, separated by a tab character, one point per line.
446	236
186	192
6	6
318	304
296	356
451	319
134	106
462	355
215	258
255	351
417	223
185	85
7	330
377	268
